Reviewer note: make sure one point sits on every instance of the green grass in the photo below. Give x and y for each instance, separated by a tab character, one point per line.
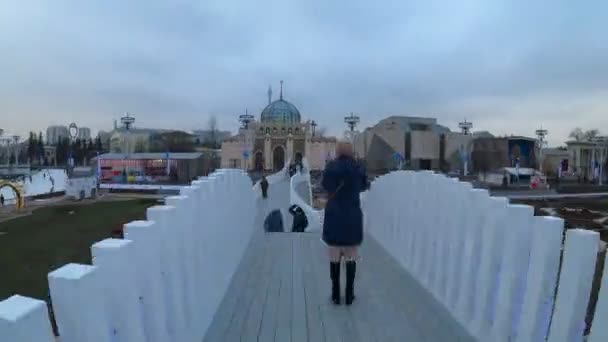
32	246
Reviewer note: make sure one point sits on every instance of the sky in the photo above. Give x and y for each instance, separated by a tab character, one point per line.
507	66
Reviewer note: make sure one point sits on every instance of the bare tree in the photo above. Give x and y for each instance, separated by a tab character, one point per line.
577	134
591	134
212	131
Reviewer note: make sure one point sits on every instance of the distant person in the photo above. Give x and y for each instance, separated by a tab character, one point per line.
344	179
264	187
2	200
300	222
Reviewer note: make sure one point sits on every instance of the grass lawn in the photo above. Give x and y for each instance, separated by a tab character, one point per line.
32	246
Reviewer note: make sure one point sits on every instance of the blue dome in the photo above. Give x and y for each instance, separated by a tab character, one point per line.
281	111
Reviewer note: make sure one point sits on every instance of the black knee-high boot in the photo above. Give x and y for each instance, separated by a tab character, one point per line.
351	268
334	273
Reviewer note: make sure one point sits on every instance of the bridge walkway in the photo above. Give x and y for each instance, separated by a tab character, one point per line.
280	292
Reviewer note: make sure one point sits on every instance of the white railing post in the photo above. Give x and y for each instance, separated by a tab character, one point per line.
451	188
147	260
121	293
455	261
78	304
492	243
475	202
542	279
164	216
576	277
599	330
25	319
513	271
181	229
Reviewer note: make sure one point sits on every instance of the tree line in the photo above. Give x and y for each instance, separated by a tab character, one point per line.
81	149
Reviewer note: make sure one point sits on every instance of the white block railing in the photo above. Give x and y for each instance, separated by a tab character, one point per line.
163	282
501	272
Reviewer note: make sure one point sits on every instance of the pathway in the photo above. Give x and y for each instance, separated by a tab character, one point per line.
281	293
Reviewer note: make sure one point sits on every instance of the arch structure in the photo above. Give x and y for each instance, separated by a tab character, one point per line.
18	189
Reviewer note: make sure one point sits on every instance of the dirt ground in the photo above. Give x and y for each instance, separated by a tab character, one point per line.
586	213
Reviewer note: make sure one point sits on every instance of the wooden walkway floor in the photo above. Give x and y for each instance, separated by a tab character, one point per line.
281	293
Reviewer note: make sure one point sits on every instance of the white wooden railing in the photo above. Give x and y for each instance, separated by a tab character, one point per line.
496	267
163	282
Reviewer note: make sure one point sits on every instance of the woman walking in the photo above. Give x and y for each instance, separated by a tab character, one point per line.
343	179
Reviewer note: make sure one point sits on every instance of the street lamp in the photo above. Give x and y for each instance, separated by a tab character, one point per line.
465	127
313	124
351	121
73	132
245	119
127	121
541	134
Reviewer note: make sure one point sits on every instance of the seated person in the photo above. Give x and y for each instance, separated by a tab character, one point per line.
300	222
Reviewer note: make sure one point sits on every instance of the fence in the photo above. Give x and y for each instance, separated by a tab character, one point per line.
503	273
163	282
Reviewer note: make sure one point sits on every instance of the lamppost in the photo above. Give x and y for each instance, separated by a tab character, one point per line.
351	121
127	121
541	134
73	132
245	119
313	125
465	126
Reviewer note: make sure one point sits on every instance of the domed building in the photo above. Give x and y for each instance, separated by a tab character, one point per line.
278	137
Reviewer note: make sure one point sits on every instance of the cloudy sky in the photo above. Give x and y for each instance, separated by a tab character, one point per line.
509	66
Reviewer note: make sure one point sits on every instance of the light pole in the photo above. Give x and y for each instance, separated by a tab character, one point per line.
541	134
73	132
313	125
127	121
245	120
465	127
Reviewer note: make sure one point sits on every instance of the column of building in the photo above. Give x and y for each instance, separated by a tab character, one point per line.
267	153
289	156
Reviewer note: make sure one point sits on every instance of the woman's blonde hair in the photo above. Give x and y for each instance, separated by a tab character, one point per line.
344	147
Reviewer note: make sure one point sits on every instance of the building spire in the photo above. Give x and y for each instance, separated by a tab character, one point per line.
281	97
269	94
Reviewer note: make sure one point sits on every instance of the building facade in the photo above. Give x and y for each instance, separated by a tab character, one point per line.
84	133
412	143
588	159
279	136
494	153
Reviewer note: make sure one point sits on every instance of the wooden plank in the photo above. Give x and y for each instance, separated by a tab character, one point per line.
231	302
271	306
283	329
251	328
248	290
299	332
313	296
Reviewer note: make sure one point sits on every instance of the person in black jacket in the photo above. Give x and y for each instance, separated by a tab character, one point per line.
264	187
300	222
343	179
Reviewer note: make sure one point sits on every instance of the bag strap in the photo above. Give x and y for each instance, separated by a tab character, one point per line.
333	194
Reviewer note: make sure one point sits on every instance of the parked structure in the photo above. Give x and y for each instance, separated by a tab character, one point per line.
155	167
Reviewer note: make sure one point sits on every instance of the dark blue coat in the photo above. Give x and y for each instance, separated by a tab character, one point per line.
343	179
